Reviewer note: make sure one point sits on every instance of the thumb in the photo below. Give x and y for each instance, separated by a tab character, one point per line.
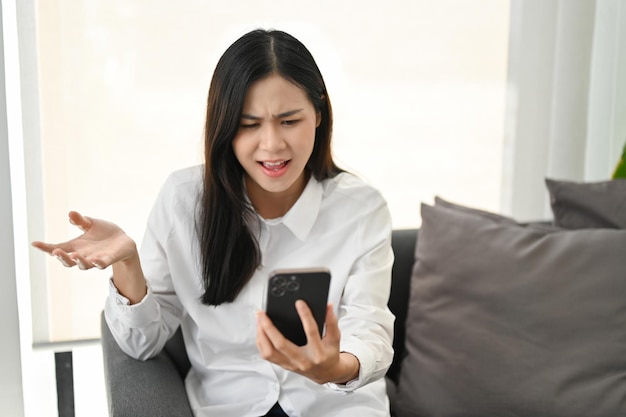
80	221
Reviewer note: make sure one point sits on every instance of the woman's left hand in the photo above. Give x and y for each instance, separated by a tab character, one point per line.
319	360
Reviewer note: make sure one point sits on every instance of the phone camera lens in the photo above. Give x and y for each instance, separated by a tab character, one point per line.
277	291
293	284
279	281
277	286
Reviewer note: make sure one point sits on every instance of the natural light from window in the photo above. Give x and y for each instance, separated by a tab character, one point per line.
418	90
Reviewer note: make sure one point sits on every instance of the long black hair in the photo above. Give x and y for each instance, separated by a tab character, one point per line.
229	251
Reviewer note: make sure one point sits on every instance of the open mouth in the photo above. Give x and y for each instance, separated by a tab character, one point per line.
274	166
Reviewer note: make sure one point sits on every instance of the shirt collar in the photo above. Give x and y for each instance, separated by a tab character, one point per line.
302	215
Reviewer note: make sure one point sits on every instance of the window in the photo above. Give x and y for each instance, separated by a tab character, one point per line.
418	91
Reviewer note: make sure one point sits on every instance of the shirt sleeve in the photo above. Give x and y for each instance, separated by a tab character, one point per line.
365	321
141	330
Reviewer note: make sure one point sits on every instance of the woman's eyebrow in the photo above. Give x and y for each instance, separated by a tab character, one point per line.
276	116
287	113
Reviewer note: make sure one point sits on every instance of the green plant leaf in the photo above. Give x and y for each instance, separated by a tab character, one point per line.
620	169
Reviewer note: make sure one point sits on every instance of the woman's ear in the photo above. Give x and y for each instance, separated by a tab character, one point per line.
318	115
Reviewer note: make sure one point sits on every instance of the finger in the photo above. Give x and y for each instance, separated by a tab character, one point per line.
264	345
308	322
46	247
81	261
333	334
100	262
277	339
63	257
80	221
98	259
51	247
101	258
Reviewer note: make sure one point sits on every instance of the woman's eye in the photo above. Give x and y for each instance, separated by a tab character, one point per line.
290	122
249	125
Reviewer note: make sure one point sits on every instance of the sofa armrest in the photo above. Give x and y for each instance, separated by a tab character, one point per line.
141	388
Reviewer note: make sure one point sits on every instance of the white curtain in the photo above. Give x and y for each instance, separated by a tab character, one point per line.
566	98
606	130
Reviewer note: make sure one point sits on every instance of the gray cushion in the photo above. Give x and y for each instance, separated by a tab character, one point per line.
507	320
578	205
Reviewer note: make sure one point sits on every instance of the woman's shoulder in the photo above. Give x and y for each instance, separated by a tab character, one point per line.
185	181
178	197
182	187
350	187
185	176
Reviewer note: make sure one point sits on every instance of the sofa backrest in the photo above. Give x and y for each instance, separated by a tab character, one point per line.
403	242
175	349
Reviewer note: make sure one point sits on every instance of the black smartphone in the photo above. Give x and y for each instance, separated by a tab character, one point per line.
287	286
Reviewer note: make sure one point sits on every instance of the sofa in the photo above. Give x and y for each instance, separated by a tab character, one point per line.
494	317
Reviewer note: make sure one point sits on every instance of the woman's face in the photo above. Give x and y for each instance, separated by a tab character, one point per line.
274	143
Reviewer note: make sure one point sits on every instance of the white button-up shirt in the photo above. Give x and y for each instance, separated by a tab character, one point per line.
341	224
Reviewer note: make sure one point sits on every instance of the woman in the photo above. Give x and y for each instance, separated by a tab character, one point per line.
269	196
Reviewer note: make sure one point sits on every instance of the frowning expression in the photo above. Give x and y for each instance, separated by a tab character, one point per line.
275	140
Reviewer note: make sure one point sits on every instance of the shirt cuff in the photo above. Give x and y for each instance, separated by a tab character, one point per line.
132	315
367	364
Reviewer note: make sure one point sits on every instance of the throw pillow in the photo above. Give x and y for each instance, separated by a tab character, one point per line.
587	205
507	320
498	218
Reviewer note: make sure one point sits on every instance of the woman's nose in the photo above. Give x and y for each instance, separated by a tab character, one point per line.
271	139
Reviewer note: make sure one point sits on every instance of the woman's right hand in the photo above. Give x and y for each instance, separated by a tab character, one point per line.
102	244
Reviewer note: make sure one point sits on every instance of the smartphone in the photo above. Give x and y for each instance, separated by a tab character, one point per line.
287	286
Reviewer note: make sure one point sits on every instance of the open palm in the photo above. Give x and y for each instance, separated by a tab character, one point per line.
102	244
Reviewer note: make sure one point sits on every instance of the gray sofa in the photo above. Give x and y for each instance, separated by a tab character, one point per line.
493	317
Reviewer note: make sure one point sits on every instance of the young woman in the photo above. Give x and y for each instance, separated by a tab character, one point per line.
269	196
